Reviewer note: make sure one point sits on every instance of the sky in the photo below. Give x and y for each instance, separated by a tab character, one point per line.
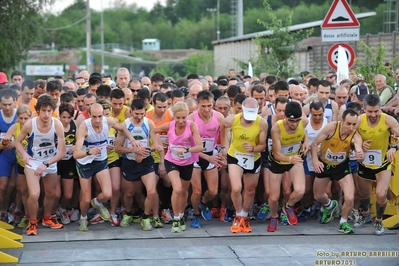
60	5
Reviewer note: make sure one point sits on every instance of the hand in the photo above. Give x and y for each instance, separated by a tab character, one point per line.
40	170
165	144
296	159
136	144
391	154
72	149
248	147
305	148
10	146
27	158
366	145
139	158
143	152
161	170
157	148
109	147
216	160
360	156
223	159
180	151
95	150
318	166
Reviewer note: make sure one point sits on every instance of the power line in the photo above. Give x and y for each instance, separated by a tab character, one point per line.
68	26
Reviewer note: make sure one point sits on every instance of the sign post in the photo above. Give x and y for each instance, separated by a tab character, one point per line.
340	24
332	55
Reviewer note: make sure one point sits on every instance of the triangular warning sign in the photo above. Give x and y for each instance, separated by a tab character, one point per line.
340	15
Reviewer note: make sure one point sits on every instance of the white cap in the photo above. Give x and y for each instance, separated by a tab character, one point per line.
250	114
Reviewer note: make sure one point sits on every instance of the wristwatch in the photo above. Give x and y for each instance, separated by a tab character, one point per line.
187	148
46	163
395	146
88	152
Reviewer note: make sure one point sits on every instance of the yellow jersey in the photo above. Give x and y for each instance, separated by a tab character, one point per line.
121	117
20	160
335	150
291	144
112	155
241	134
379	135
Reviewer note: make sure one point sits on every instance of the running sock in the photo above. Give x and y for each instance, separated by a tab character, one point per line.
144	216
62	209
343	220
381	210
96	202
83	217
365	203
329	205
244	214
176	218
181	215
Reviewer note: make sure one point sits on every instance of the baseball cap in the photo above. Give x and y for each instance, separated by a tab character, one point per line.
250	114
362	91
3	78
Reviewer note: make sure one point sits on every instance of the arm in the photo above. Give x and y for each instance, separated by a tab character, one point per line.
385	96
25	130
357	143
127	113
162	128
155	138
59	129
121	127
306	109
119	144
276	147
6	141
223	139
228	121
80	137
262	139
335	111
392	125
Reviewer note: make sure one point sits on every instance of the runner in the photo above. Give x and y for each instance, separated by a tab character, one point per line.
375	128
249	132
139	166
289	144
210	124
91	155
41	160
336	139
184	144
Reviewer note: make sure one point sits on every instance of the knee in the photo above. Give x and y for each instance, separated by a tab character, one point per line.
151	194
286	192
178	191
381	195
349	200
196	193
51	193
213	192
116	191
107	193
34	195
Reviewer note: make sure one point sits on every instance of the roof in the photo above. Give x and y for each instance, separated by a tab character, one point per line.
291	28
150	40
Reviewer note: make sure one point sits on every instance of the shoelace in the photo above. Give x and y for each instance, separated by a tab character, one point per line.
273	222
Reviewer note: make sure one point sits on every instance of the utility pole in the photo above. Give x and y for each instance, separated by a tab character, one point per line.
102	37
240	15
218	20
88	38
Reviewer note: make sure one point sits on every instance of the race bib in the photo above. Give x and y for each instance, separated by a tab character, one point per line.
336	157
103	149
372	158
164	138
111	140
245	160
67	155
269	144
2	134
184	156
44	152
208	144
352	155
290	149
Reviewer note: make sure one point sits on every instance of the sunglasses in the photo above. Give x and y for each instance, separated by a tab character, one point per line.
330	77
146	85
135	90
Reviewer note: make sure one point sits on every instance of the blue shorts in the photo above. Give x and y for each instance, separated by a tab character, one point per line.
354	165
306	168
8	163
134	171
91	169
265	159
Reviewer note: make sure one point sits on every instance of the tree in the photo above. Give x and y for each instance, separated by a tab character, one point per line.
21	26
276	52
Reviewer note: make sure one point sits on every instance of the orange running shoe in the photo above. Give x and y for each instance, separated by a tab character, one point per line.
236	226
32	229
222	213
215	212
51	221
245	226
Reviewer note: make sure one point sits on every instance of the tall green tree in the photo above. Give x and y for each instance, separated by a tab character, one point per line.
21	25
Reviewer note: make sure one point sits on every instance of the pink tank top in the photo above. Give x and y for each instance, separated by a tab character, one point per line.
209	132
185	139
